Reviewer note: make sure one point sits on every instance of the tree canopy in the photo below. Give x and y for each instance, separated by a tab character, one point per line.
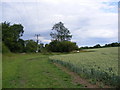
11	39
30	46
60	33
61	37
62	46
11	36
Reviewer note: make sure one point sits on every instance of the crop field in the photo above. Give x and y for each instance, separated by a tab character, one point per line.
37	70
95	64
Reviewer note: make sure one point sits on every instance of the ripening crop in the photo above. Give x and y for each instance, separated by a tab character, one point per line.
99	64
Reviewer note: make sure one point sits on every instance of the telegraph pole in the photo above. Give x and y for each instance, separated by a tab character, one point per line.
37	35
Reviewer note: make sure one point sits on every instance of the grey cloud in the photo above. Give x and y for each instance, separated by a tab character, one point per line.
84	19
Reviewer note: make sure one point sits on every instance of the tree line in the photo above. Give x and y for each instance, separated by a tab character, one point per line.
60	42
11	39
115	44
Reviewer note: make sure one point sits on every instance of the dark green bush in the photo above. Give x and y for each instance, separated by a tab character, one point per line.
62	46
5	49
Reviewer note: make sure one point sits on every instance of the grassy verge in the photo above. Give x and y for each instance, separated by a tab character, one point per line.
33	71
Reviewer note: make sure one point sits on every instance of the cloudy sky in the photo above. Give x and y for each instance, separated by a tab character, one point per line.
90	22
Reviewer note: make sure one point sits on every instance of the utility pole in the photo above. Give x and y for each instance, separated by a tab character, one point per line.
37	35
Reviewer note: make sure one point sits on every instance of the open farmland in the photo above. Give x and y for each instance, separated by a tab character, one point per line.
97	64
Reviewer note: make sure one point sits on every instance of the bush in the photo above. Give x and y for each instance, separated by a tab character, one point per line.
5	49
30	46
62	46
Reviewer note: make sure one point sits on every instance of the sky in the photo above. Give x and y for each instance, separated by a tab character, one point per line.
90	22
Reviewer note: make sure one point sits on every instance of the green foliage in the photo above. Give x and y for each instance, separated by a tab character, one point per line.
5	49
0	47
62	46
97	46
11	36
41	47
100	65
30	46
61	32
20	45
115	44
60	39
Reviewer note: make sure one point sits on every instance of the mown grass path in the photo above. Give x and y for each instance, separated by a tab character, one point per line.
33	71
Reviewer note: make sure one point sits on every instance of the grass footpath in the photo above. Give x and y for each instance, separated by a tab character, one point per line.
33	71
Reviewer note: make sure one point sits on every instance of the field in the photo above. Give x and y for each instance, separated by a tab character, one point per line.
95	64
33	71
39	71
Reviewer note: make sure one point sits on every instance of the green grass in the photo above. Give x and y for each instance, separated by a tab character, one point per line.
100	64
33	71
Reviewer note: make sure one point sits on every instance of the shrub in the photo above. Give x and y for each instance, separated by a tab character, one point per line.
5	49
62	46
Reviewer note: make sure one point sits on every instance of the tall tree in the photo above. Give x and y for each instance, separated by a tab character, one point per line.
11	36
61	33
